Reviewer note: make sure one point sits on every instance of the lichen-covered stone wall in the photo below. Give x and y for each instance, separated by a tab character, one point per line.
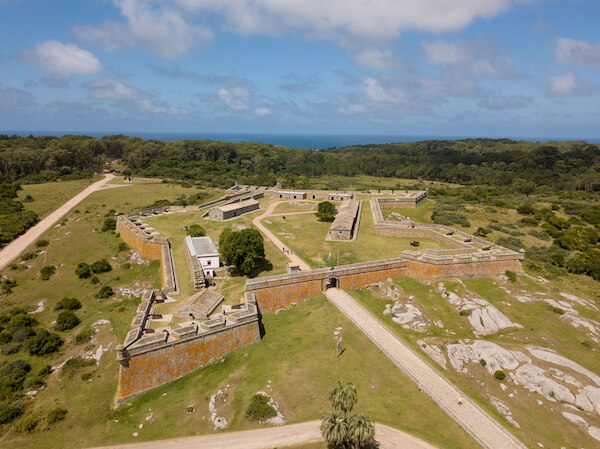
148	370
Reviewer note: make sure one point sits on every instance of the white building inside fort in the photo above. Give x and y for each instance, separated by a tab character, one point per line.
205	251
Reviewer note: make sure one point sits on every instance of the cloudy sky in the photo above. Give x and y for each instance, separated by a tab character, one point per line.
528	68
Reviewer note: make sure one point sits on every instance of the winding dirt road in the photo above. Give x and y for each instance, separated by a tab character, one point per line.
11	251
257	222
275	437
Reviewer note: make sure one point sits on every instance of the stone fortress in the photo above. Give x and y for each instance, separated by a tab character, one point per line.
149	359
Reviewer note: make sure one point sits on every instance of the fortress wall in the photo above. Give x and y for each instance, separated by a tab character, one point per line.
472	267
153	368
280	291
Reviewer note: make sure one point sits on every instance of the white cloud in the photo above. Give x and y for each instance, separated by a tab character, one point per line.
562	85
575	52
376	93
236	98
262	111
378	59
446	53
160	28
128	97
63	60
349	19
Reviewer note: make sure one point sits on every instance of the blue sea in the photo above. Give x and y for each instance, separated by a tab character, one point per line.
314	141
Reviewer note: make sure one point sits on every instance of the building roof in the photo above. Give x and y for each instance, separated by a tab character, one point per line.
345	219
201	246
239	205
289	192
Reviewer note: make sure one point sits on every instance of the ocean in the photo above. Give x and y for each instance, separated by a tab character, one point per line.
305	141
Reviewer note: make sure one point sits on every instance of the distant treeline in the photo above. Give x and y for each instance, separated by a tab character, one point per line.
496	162
14	219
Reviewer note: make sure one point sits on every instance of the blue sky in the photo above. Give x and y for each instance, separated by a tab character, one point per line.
528	68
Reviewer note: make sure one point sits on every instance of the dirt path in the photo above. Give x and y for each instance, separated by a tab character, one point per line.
17	246
473	419
275	437
257	222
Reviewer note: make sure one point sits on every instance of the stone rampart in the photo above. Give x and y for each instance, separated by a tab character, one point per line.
281	291
149	360
410	200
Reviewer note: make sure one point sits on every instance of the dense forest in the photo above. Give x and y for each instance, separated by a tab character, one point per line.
495	162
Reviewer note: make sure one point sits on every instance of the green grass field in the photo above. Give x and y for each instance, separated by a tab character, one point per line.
305	235
542	327
366	182
48	196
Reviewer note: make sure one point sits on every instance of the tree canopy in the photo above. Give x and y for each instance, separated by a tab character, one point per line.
326	211
243	249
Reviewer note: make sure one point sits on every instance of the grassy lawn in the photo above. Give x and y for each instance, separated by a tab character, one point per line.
305	235
542	327
383	391
421	214
296	206
49	195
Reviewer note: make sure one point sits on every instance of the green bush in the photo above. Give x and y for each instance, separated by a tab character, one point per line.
11	348
9	412
259	409
27	424
47	272
123	247
526	209
95	279
56	414
558	310
500	375
100	266
110	224
68	304
12	377
105	292
66	320
511	275
83	270
41	243
195	230
326	211
44	343
29	256
483	362
511	243
464	312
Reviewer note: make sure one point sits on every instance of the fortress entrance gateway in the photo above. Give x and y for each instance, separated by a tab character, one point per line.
331	282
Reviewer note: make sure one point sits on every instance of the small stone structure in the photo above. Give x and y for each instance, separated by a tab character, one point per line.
233	210
409	199
310	195
343	227
290	195
200	305
148	360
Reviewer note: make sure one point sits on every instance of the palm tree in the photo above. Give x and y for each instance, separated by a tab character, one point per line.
343	397
361	431
334	429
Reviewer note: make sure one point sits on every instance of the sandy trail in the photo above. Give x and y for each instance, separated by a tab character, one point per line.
268	213
11	251
272	437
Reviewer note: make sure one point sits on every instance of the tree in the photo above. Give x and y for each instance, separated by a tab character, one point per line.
110	224
343	397
361	430
326	211
334	429
196	230
83	270
66	320
47	271
242	249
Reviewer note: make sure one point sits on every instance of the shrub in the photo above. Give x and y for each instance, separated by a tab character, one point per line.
529	221
110	224
9	412
326	211
8	285
45	371
259	409
44	343
500	375
123	247
27	424
83	270
66	320
105	292
47	272
100	266
12	377
464	312
41	243
29	256
94	280
558	310
196	230
68	304
5	337
11	348
22	320
482	232
526	209
56	414
510	242
511	275
483	362
83	337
